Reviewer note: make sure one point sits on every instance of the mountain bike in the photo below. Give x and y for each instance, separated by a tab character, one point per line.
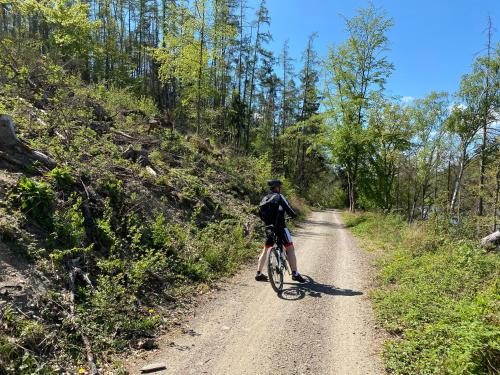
277	262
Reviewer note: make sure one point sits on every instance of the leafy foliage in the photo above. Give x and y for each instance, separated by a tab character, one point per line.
437	297
36	198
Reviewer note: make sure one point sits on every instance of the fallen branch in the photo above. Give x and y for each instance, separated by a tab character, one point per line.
85	339
122	134
90	355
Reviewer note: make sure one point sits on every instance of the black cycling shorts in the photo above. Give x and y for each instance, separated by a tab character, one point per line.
283	235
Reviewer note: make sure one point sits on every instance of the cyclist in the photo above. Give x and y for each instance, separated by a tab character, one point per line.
273	207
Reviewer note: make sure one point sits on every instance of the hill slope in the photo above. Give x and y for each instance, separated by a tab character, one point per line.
129	220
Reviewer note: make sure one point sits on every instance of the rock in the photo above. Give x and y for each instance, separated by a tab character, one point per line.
492	241
148	344
153	367
151	171
130	153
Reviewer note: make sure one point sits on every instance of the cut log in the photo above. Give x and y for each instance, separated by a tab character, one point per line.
44	159
491	242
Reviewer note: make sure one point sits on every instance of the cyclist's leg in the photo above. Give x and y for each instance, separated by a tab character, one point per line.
292	259
263	258
290	250
263	255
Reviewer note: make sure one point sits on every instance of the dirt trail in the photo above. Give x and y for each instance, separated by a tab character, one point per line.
322	327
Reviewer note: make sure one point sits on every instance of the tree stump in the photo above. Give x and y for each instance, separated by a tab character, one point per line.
7	132
14	153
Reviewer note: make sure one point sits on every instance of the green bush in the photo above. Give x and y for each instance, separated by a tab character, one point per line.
69	229
223	246
115	100
437	296
112	188
168	237
36	199
62	177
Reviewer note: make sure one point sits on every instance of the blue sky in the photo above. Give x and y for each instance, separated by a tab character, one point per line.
433	42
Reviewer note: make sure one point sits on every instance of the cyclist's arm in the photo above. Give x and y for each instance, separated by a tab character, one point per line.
286	206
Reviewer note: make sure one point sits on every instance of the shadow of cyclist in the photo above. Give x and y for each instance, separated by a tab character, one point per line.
313	289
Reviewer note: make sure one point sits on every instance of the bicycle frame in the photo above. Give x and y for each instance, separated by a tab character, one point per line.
279	246
283	256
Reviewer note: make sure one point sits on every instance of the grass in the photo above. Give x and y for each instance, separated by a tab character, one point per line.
437	296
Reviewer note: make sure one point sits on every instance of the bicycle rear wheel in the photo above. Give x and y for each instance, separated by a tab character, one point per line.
274	270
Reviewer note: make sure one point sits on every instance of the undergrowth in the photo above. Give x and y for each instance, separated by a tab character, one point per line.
437	295
119	246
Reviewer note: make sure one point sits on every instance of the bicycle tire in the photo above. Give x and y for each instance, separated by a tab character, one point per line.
275	273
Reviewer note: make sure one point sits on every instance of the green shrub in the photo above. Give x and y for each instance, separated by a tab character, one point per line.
115	100
32	334
106	233
437	296
168	237
69	230
113	188
36	199
113	310
224	246
61	176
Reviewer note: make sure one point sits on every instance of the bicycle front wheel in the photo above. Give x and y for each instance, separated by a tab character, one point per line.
275	271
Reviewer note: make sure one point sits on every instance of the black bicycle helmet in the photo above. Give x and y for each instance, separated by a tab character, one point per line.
274	183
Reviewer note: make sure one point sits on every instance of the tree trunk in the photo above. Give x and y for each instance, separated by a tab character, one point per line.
8	136
240	47
202	38
351	194
480	208
458	182
413	206
422	201
448	182
495	206
252	77
491	242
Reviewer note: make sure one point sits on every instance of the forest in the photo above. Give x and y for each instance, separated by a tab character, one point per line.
207	68
208	112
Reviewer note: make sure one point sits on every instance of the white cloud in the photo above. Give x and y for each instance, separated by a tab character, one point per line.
407	99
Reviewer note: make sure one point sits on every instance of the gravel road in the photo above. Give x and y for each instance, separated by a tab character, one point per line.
324	326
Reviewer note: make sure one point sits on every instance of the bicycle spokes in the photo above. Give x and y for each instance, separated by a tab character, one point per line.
275	269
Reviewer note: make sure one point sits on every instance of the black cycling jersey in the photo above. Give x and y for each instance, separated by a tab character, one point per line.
283	207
